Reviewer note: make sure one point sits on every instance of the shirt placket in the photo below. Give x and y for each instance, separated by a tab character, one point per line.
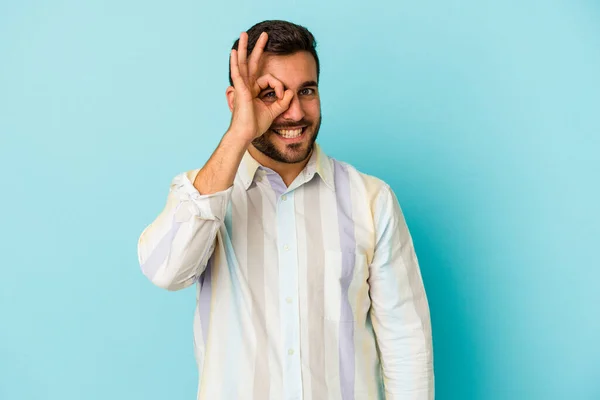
288	295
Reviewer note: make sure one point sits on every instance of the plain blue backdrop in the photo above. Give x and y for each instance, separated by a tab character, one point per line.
483	116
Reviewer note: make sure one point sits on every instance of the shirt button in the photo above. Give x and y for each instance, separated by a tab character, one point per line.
284	197
291	352
286	247
288	300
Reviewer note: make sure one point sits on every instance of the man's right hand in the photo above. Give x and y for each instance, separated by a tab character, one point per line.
251	116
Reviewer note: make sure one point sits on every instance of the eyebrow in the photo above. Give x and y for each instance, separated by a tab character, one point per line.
308	84
304	85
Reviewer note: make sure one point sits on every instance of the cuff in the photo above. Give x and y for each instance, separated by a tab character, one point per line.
210	206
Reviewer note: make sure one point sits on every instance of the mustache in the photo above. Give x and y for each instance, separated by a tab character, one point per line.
283	125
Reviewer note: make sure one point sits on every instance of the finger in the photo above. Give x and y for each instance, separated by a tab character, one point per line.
238	82
280	106
269	81
257	53
242	54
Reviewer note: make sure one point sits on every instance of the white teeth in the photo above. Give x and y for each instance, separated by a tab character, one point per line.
289	133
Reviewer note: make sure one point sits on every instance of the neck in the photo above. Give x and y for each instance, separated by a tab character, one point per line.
287	171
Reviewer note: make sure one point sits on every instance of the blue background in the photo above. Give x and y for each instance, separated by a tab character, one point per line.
483	116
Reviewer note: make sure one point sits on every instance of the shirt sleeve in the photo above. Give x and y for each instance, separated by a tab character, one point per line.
399	307
174	249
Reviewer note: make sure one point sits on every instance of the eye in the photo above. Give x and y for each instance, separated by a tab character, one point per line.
269	95
307	92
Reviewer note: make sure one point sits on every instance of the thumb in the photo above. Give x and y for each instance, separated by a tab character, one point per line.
280	106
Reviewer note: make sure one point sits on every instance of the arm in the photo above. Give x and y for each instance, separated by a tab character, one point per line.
399	307
175	248
173	251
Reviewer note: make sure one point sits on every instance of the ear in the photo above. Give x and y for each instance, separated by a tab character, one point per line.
230	94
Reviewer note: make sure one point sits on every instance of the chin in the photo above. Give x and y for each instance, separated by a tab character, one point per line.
294	153
289	153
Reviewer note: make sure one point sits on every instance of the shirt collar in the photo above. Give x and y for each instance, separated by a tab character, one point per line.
319	163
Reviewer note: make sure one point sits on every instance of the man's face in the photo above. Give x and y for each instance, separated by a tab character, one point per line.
291	136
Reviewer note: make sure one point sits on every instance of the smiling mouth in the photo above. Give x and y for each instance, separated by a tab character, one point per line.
290	133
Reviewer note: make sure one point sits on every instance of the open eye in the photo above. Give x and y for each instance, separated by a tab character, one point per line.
307	92
269	95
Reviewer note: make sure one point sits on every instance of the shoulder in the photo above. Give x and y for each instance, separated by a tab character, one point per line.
371	188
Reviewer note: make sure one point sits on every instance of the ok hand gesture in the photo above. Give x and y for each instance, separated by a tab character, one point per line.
251	116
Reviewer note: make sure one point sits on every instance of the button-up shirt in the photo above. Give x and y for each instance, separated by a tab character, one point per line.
311	291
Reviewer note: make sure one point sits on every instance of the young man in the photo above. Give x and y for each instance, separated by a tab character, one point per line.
308	286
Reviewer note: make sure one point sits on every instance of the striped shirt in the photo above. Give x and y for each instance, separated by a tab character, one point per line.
311	291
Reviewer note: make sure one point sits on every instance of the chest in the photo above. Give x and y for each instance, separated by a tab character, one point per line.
309	219
311	242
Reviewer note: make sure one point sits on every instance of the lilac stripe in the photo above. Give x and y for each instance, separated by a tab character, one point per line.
348	247
204	299
277	183
161	251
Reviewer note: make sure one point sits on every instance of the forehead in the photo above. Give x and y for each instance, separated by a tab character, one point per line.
292	69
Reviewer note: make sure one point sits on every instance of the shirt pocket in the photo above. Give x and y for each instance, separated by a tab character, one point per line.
345	288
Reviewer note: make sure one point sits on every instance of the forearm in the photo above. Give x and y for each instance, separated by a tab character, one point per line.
402	325
174	249
406	352
219	171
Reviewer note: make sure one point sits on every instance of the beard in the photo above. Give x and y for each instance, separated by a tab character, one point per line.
294	153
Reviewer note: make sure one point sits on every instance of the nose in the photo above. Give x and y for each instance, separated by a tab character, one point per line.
295	111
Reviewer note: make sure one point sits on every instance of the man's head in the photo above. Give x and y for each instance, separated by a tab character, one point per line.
290	56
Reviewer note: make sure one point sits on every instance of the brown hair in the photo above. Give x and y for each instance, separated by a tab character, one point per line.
284	38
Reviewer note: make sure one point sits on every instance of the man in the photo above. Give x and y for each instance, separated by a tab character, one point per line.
308	285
